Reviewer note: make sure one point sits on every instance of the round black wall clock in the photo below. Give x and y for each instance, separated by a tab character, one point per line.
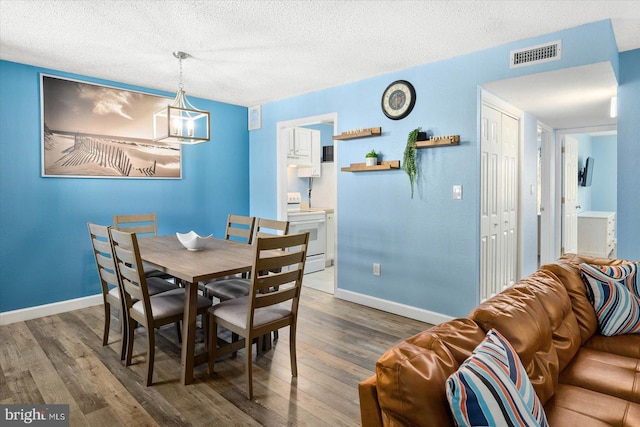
398	99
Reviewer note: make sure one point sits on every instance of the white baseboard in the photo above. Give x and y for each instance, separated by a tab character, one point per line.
393	307
49	309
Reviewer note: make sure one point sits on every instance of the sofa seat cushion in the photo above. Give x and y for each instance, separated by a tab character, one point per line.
492	388
606	373
411	376
614	293
577	406
624	345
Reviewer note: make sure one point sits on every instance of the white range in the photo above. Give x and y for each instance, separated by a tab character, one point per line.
313	221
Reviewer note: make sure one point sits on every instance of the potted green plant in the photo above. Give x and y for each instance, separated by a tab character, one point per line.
409	161
371	158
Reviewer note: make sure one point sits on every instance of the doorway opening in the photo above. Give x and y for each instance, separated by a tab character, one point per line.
596	197
316	184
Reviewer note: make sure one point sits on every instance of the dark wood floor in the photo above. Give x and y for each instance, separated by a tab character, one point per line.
60	359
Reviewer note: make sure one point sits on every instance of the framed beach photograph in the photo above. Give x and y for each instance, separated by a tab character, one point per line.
96	131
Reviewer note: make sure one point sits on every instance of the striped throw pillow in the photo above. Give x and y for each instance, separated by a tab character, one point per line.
614	292
491	388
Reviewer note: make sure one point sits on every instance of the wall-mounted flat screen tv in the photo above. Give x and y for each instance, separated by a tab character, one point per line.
584	180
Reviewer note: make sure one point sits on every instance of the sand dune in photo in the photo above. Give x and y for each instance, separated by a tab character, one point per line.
80	154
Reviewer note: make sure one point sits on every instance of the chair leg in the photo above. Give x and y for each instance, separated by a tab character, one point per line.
124	333
130	334
234	338
151	353
107	323
292	350
179	332
249	368
212	343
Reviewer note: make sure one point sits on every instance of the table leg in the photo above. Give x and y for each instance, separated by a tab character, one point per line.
189	331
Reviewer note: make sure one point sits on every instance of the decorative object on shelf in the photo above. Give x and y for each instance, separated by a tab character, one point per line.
180	122
362	167
192	241
409	159
371	158
398	99
359	133
255	117
438	141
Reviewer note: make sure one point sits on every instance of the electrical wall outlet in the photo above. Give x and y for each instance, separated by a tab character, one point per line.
376	269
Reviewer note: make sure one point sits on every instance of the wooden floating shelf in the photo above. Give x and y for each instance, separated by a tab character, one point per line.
364	133
439	141
362	167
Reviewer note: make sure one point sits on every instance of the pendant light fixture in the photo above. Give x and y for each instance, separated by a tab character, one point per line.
180	122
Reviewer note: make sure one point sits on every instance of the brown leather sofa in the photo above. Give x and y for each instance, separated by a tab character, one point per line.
582	378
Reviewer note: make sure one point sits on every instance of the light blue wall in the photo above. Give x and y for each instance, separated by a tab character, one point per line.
427	246
629	155
45	253
604	190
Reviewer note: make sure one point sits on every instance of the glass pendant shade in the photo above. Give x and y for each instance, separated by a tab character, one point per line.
180	122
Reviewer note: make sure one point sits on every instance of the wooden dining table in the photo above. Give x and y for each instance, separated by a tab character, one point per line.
218	258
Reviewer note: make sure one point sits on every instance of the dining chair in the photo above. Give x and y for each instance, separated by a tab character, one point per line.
240	229
110	281
143	225
235	287
262	312
149	311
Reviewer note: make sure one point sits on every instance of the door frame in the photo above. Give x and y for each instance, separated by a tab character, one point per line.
282	145
546	231
559	171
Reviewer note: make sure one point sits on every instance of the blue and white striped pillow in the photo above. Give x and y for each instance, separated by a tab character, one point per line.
614	292
491	388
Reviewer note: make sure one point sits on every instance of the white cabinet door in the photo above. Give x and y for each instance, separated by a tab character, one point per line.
299	147
570	197
314	170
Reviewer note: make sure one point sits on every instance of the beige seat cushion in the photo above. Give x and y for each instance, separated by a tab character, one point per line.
235	312
168	304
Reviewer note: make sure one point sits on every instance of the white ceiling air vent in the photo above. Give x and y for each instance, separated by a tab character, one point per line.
536	54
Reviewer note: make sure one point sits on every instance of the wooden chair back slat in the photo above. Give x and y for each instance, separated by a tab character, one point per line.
269	227
130	270
290	266
103	255
240	228
140	224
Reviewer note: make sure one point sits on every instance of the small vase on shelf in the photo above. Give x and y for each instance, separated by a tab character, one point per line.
371	158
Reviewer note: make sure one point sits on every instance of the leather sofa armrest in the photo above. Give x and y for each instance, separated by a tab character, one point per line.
369	407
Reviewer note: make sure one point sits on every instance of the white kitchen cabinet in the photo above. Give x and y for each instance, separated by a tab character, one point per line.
300	147
330	240
597	234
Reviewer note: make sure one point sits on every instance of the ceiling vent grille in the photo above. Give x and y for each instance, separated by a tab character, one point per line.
536	54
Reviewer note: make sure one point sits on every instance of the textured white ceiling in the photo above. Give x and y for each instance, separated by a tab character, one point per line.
252	52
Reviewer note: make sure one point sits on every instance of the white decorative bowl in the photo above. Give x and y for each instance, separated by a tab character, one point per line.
192	241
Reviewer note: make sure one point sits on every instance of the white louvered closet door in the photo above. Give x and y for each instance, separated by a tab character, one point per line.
499	201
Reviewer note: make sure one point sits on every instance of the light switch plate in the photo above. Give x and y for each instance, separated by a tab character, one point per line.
457	192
